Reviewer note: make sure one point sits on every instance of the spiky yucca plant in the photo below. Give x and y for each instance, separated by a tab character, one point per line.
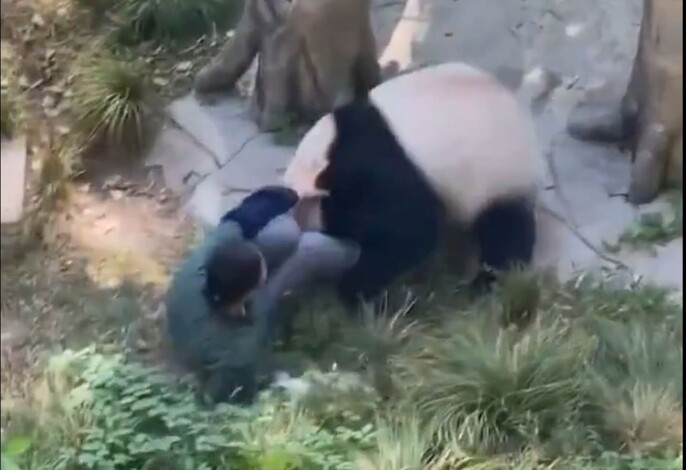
112	101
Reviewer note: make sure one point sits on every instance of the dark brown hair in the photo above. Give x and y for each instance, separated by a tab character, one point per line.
231	273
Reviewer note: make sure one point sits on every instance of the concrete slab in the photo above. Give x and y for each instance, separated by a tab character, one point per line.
13	173
259	163
182	161
222	126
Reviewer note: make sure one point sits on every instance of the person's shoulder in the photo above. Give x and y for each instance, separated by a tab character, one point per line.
260	208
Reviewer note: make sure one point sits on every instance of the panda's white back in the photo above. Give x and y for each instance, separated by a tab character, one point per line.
466	131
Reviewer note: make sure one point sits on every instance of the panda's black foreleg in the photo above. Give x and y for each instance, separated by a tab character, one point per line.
364	281
376	269
506	233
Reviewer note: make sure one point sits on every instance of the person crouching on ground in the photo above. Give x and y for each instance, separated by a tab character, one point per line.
210	327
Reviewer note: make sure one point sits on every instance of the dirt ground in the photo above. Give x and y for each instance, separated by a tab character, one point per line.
97	276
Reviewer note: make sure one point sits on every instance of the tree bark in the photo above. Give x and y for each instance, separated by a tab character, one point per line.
650	116
312	56
653	104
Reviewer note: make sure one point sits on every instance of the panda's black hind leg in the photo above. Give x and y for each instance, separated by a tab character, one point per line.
366	280
376	269
506	233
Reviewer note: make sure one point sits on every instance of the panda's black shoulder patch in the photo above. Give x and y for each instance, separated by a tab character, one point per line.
370	177
377	197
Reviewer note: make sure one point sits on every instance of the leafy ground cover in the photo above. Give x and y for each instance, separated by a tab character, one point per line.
578	375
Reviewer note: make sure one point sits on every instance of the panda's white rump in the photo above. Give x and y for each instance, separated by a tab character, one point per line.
466	132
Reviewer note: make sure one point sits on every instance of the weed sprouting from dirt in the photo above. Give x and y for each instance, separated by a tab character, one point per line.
655	227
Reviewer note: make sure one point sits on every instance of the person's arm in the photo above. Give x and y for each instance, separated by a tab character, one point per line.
317	259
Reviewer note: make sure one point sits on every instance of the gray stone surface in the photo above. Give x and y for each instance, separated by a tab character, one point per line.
588	45
13	173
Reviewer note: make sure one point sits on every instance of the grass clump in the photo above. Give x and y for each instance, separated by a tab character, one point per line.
637	385
495	390
598	369
112	101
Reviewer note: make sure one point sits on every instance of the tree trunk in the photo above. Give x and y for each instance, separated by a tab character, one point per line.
312	56
652	106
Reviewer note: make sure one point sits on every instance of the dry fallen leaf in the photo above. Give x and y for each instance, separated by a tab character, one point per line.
38	20
159	81
184	66
48	102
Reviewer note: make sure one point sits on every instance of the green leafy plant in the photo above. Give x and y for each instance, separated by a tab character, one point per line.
106	409
657	227
12	450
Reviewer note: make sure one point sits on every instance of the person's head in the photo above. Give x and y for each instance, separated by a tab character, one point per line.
232	272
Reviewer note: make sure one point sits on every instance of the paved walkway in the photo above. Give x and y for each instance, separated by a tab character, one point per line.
588	44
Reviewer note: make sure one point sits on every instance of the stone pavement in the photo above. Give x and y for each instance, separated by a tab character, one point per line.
588	44
13	187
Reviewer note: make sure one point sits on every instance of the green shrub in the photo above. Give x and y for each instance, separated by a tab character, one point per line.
12	450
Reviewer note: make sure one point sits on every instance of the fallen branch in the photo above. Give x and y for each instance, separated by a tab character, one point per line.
570	223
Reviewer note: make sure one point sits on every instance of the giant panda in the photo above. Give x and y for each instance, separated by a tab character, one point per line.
443	146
